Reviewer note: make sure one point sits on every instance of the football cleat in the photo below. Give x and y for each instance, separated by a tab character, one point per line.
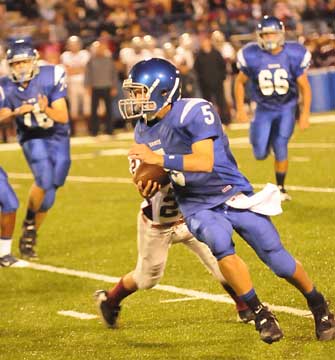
267	326
284	196
246	316
108	312
28	241
11	261
324	322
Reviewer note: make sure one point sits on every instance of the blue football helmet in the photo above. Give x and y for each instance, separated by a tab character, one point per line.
22	50
151	85
270	25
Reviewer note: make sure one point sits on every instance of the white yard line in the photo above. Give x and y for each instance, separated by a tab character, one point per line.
103	140
77	315
117	180
221	298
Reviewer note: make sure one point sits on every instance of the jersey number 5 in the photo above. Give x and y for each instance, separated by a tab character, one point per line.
276	82
208	114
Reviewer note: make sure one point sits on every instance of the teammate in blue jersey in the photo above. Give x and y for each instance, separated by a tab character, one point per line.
35	97
276	70
8	207
186	136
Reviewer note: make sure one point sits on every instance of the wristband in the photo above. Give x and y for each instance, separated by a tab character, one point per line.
174	162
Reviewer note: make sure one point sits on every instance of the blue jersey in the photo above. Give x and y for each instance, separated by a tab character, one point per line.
190	121
50	81
274	77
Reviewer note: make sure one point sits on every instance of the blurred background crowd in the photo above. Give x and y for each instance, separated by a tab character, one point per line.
98	41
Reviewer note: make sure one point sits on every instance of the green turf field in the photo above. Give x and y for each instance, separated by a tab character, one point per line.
92	228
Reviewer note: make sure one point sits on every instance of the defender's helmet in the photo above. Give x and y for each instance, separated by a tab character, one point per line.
270	25
152	84
22	50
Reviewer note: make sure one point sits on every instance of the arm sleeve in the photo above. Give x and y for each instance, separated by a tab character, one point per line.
59	86
303	62
241	63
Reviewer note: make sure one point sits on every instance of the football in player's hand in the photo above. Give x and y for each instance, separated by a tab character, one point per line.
155	173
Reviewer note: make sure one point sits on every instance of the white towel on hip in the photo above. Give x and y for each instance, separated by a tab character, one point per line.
265	202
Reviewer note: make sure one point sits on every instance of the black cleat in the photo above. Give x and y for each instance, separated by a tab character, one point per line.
246	316
324	322
28	241
268	327
108	312
11	261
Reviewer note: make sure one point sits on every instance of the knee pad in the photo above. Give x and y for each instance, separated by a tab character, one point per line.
260	153
8	200
61	171
281	262
146	279
43	173
49	200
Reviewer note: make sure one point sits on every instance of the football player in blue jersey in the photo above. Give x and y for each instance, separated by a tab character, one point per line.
8	207
276	70
186	137
35	97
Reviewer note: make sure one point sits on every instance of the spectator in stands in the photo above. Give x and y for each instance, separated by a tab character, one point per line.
75	60
101	81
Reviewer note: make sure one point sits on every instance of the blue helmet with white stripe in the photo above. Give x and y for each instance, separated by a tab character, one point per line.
151	85
22	51
270	25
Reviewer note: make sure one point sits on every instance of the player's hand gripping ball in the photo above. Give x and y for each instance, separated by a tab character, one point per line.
155	173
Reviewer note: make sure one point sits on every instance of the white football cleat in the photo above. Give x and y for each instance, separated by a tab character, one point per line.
284	196
11	261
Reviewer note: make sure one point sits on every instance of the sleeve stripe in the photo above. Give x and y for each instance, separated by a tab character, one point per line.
306	60
2	93
188	107
240	59
59	73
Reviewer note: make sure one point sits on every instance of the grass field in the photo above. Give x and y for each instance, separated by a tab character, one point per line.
92	228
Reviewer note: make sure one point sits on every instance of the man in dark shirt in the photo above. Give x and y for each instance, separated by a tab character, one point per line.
210	68
101	82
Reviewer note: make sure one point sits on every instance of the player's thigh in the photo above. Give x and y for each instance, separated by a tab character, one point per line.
260	132
59	150
153	246
152	243
214	229
37	155
256	229
282	133
180	233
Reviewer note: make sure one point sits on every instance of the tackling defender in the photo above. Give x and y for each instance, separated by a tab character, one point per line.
160	225
35	96
213	195
276	70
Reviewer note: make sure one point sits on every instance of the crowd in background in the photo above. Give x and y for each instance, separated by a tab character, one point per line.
98	41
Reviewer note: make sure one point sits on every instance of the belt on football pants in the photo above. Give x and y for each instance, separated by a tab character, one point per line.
161	226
